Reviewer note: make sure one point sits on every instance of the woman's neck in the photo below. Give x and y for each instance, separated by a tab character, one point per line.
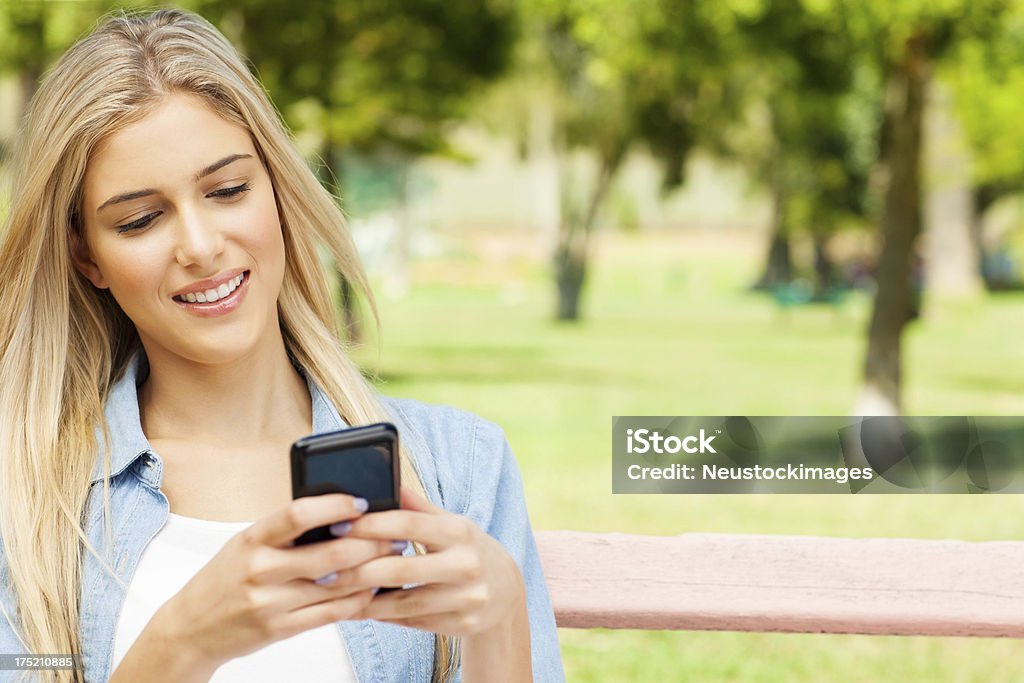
247	401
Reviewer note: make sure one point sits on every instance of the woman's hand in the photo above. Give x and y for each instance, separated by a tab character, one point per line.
466	585
260	589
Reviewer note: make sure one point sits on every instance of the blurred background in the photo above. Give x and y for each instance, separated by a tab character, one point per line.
575	209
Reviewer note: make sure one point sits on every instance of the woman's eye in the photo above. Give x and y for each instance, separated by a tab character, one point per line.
139	223
146	220
230	191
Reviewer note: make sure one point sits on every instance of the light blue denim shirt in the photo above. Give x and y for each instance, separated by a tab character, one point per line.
466	465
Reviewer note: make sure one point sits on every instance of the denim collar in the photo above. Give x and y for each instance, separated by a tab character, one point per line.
129	443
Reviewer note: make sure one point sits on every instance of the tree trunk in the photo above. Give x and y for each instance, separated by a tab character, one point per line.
570	269
778	267
824	270
574	241
895	303
330	177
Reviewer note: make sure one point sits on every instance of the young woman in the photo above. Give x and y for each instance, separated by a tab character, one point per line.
167	332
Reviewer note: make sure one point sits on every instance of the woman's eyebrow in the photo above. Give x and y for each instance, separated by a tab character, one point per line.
217	165
212	168
126	197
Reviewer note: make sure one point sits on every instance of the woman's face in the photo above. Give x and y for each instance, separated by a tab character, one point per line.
176	208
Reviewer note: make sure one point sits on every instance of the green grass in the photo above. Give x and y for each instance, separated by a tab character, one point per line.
669	328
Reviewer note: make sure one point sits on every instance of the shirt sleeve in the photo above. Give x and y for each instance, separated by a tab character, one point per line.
10	641
496	502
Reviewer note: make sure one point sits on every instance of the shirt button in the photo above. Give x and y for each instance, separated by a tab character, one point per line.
148	461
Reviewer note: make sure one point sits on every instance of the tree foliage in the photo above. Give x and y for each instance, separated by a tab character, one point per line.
987	77
373	74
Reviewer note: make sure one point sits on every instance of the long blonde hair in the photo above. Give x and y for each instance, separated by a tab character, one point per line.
63	342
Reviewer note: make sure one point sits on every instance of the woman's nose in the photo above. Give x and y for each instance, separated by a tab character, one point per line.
198	241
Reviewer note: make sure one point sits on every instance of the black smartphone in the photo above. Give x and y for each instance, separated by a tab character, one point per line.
360	461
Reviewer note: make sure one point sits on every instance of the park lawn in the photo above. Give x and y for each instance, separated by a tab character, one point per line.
669	328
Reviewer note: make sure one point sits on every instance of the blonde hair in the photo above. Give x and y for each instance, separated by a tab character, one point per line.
63	342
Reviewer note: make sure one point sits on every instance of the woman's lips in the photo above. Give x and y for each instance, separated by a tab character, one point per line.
220	306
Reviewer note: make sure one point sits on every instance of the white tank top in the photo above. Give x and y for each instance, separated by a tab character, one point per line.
179	550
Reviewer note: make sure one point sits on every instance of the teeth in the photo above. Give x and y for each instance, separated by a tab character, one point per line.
211	295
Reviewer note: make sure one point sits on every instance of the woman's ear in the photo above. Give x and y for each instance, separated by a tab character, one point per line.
84	264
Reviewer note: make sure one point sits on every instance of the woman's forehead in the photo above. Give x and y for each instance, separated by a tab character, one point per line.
170	144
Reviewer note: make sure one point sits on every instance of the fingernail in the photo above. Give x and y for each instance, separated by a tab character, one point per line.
398	547
360	504
341	528
324	580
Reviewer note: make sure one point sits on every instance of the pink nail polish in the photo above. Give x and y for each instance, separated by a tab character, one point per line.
327	579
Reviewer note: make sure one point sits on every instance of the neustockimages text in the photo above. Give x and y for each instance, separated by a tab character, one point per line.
840	475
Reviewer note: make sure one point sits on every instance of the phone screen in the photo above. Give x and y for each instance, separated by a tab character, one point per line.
363	471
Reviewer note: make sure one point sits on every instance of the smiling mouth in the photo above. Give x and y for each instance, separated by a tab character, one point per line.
212	296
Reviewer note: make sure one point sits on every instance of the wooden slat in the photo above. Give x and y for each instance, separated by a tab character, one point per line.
785	583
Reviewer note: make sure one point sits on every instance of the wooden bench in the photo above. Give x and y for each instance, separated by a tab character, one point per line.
794	584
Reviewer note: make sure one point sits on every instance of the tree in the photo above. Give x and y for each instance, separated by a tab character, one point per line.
903	41
802	136
646	72
384	78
